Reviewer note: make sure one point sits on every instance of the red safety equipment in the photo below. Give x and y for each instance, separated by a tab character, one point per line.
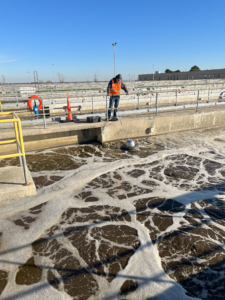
115	89
70	118
30	101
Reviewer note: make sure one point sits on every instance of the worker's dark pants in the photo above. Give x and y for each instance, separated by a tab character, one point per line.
113	101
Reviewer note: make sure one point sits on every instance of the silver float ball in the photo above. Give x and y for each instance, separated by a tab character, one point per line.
130	143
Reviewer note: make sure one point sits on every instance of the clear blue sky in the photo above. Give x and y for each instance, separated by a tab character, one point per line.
77	36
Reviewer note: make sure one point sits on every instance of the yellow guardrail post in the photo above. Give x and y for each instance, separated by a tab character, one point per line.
23	153
19	141
1	105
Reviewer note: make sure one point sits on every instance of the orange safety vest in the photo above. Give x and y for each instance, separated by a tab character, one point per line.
115	89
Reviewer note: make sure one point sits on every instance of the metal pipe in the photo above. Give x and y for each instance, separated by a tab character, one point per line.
16	99
156	104
17	141
25	169
197	102
107	109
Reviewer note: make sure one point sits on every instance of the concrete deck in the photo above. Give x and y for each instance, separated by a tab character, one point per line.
12	184
139	125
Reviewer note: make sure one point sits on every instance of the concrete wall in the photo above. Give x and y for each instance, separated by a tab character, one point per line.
53	136
136	127
145	127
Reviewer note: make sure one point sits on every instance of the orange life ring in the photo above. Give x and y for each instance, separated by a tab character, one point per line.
30	101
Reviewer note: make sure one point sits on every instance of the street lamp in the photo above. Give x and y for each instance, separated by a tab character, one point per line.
114	58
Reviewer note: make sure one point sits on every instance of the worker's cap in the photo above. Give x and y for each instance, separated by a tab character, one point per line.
119	77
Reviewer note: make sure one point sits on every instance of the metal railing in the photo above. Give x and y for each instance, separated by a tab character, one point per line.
154	101
18	140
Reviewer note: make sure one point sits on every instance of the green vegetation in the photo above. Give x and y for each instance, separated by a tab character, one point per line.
195	68
169	71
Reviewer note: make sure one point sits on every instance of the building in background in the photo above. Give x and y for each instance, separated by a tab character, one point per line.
205	74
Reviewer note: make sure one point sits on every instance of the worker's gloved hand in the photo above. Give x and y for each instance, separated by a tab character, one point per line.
128	93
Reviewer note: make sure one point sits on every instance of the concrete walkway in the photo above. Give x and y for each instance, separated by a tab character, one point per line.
12	184
139	125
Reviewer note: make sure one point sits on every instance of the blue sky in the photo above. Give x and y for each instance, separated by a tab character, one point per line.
77	36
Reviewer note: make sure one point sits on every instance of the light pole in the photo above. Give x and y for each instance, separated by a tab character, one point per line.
53	74
114	58
153	72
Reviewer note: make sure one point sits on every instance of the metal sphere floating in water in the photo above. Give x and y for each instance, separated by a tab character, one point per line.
129	146
130	143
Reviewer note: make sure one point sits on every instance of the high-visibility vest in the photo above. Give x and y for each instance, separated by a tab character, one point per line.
115	89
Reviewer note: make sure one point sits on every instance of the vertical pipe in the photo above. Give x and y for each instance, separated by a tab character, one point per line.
107	109
114	61
156	104
17	140
16	98
51	96
25	169
197	102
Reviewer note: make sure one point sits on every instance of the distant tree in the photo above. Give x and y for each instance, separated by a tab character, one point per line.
3	79
61	77
41	81
95	78
48	81
195	68
169	71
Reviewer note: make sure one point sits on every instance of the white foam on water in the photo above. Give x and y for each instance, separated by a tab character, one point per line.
144	266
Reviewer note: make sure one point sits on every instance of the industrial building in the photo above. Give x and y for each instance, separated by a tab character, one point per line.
205	74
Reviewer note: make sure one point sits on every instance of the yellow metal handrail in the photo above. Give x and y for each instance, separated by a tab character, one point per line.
19	141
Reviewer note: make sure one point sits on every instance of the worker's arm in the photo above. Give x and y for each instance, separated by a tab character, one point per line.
124	88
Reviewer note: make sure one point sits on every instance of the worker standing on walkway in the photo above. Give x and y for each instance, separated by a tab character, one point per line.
113	90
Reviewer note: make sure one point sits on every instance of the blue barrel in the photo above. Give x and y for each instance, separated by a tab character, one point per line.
35	108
